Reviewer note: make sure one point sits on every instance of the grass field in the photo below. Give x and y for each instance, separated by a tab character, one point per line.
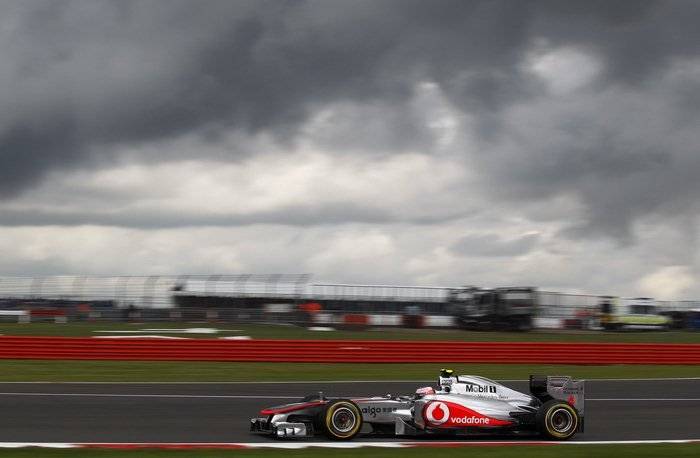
295	332
165	371
570	451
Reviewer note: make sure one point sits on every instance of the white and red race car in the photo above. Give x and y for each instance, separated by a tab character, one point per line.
461	405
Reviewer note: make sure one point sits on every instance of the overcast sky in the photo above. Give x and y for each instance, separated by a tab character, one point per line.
547	143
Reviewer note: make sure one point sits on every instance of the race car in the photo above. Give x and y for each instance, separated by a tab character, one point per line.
460	405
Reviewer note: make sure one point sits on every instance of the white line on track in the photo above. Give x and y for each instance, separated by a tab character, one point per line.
343	445
124	395
643	399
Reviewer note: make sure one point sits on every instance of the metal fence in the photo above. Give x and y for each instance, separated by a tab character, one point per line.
380	293
148	292
145	292
155	296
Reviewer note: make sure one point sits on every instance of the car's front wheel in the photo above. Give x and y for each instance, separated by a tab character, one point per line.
557	420
341	420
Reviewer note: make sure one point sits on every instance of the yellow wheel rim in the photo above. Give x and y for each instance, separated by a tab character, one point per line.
332	420
564	415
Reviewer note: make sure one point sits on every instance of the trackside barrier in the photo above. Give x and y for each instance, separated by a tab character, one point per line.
356	320
351	351
385	320
439	321
22	315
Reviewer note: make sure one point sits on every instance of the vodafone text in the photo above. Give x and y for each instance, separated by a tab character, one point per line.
469	420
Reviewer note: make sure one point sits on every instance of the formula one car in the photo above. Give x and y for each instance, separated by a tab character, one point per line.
461	405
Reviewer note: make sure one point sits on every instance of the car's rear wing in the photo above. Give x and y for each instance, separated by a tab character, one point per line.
561	387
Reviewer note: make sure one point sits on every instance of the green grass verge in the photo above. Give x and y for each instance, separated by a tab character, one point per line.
295	332
166	371
570	451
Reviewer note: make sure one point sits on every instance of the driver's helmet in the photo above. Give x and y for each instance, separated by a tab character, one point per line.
446	379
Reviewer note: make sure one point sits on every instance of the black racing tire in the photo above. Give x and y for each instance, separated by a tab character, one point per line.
341	420
557	420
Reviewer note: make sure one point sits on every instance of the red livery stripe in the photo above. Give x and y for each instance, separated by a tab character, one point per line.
291	408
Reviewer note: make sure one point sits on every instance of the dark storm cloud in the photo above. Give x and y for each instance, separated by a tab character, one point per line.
635	38
623	157
30	147
81	75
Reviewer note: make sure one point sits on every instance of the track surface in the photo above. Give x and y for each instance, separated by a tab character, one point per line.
67	412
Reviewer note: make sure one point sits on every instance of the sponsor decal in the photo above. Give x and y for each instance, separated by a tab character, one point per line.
449	414
373	411
437	413
473	420
480	388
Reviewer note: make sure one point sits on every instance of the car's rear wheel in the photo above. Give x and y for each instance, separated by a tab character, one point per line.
557	420
341	420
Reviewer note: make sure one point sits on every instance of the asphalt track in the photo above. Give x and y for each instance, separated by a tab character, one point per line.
87	412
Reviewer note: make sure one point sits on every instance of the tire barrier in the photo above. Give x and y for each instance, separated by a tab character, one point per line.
345	351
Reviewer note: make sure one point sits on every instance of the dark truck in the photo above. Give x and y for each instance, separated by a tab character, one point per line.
497	309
